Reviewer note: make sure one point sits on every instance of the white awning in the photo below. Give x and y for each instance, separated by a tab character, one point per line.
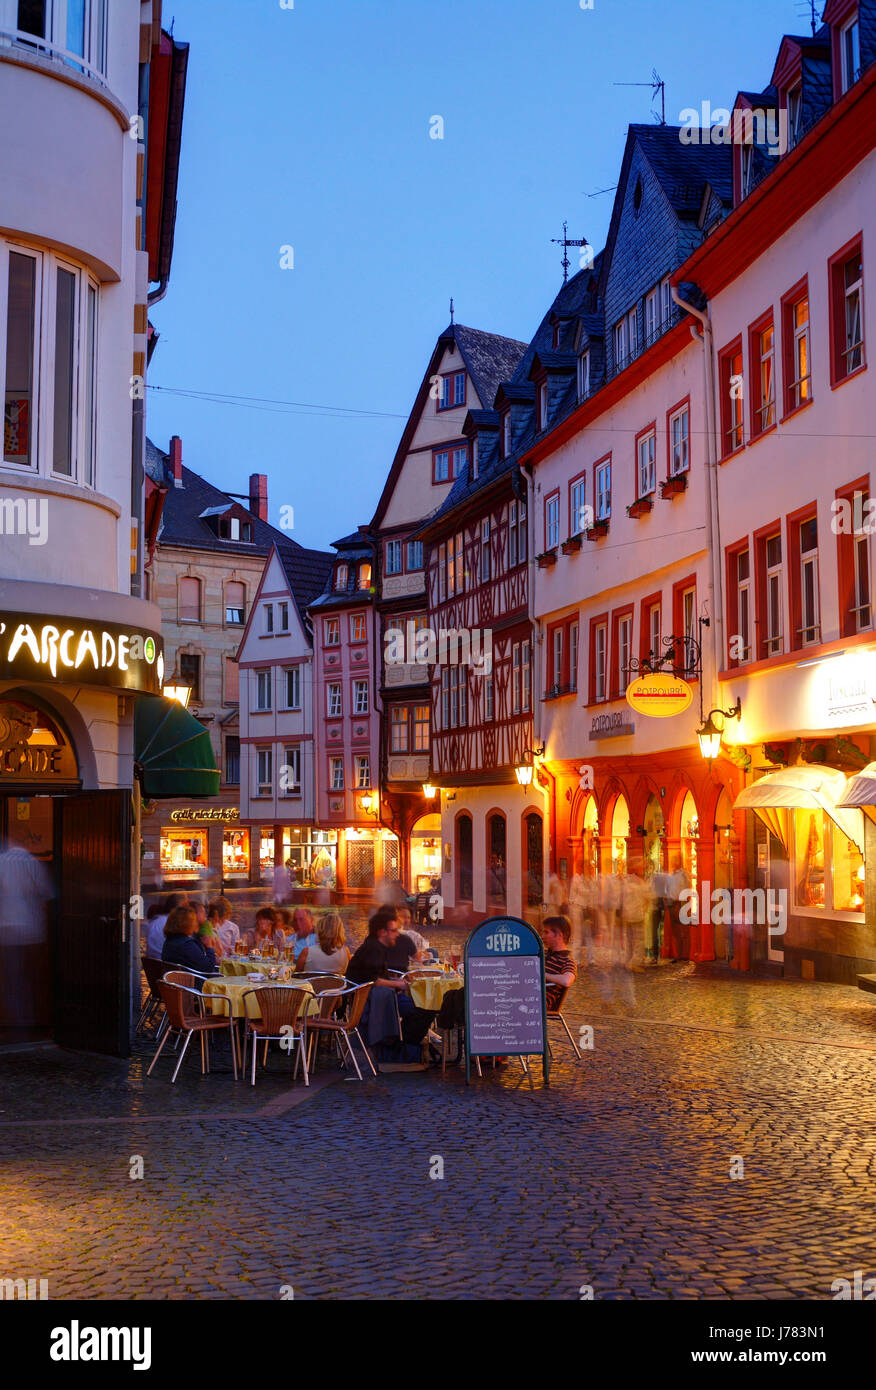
804	789
861	791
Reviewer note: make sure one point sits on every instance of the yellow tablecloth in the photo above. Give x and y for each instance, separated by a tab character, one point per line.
429	990
246	967
234	989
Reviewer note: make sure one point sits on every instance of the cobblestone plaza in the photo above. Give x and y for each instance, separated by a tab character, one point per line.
616	1177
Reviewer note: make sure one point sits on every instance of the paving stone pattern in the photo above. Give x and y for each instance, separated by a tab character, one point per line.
617	1175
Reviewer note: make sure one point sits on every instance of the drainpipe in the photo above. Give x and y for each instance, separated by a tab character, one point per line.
528	478
703	336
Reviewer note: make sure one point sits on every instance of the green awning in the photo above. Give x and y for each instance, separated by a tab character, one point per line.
173	755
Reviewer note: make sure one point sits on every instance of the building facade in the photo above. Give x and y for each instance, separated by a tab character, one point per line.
79	641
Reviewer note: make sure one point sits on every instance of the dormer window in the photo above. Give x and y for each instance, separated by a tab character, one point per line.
364	576
506	434
233	528
747	162
584	376
795	115
543	405
342	575
850	53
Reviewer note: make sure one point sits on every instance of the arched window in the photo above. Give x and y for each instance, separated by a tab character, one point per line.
464	865
652	823
497	858
620	829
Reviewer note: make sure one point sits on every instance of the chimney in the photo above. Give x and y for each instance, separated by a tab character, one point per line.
258	495
176	460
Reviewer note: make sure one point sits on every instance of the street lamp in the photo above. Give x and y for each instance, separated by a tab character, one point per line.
367	802
709	733
175	690
429	791
524	770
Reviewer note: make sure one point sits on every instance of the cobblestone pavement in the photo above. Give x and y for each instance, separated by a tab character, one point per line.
616	1176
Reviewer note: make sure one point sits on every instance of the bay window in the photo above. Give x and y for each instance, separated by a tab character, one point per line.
69	30
48	364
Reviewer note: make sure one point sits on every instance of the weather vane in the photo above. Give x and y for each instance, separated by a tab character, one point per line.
566	241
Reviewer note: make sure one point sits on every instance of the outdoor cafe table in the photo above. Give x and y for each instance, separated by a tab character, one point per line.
234	987
428	991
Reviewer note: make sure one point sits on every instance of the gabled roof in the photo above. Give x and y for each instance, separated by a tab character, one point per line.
185	523
488	358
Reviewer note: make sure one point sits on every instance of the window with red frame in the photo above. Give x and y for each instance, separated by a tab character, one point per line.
563	658
684	625
731	387
678	439
762	360
452	390
846	312
651	630
852	517
552	521
803	579
580	516
740	608
769	592
331	632
795	347
622	651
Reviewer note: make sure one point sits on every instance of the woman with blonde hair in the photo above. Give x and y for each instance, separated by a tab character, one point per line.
331	955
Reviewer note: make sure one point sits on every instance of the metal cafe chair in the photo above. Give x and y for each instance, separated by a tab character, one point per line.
342	1028
175	997
556	1015
280	1007
154	971
186	978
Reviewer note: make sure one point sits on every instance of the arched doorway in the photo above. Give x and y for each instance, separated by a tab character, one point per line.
590	837
464	864
497	859
533	859
620	829
425	852
653	825
723	870
689	834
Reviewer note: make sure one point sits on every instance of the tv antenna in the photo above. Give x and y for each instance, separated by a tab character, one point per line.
566	241
814	16
657	85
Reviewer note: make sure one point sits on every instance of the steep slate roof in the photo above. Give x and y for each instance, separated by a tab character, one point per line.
488	357
683	170
352	549
184	524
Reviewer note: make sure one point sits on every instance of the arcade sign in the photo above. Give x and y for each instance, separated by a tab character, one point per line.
34	647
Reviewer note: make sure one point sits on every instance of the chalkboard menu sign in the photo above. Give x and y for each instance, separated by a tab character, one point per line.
504	992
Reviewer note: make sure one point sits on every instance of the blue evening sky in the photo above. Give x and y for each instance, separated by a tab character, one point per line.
309	127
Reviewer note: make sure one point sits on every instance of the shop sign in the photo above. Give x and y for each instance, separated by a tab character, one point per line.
505	992
210	813
659	695
32	747
846	690
38	648
611	726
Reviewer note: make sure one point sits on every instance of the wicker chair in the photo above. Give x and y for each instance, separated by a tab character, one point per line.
282	1016
186	1018
356	997
154	971
556	1015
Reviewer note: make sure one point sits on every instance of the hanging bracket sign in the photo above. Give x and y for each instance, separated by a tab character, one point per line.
659	696
504	993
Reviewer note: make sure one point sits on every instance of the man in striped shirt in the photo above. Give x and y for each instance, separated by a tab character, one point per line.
560	969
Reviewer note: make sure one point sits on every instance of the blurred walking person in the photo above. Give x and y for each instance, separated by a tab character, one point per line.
25	890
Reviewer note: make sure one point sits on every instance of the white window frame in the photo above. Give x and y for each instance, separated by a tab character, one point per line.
647	464
362	766
794	102
357	624
620	343
743	604
766	368
679	449
552	521
489	700
268	618
360	697
655	630
442	466
334	700
584	375
633	333
850	38
292	758
417	548
506	434
331	626
853	292
54	44
292	683
624	652
557	654
264	765
863	599
283	616
652	310
774	638
578	506
336	774
802	385
810	631
486	559
603	491
474	457
516	673
600	650
264	688
512	534
543	405
688	623
460	459
573	656
665	302
394	562
526	667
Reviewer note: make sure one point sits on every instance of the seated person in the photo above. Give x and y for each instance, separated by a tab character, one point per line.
228	932
265	934
182	945
370	965
155	920
560	968
330	955
302	935
207	934
421	945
